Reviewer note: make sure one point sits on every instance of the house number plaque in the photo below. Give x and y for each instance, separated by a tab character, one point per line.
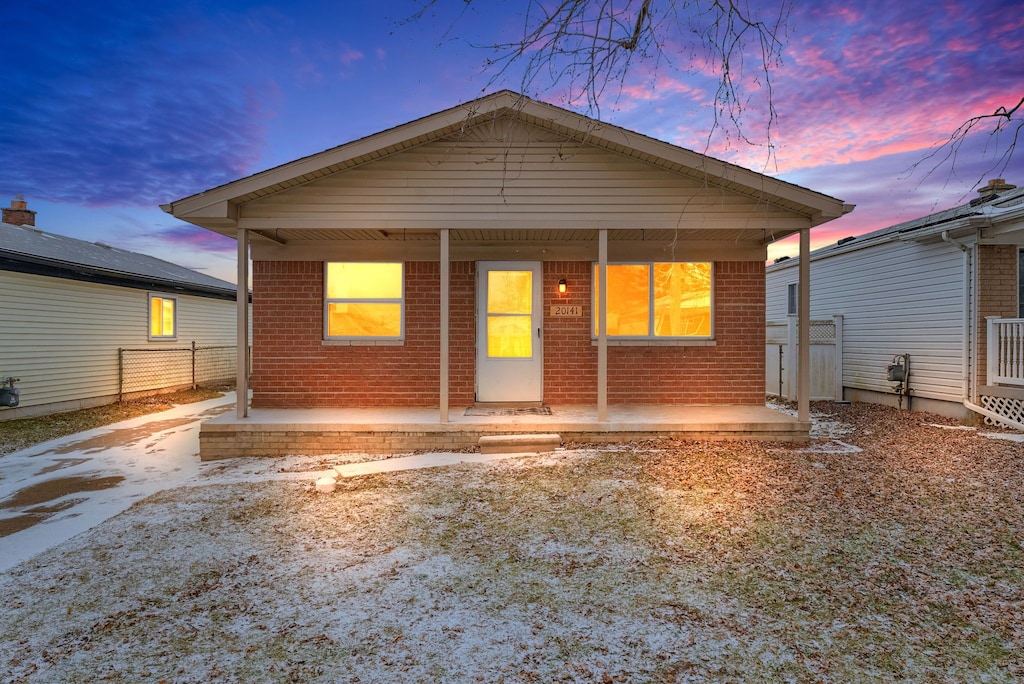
565	310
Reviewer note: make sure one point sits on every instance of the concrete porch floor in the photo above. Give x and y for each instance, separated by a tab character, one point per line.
317	431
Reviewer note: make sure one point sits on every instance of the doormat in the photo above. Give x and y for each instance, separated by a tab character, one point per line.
523	411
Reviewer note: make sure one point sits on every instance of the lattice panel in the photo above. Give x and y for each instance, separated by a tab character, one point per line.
823	331
1013	409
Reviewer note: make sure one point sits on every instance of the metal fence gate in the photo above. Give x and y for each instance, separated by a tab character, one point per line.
151	370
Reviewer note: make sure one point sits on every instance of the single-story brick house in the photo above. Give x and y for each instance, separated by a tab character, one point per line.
457	259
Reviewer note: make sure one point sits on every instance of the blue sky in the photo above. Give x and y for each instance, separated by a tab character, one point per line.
110	108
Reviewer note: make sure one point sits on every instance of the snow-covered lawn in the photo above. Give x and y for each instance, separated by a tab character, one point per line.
893	554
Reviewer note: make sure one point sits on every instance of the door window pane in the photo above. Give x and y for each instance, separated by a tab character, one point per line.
510	292
509	337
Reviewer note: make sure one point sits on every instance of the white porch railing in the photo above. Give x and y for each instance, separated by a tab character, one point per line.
1005	351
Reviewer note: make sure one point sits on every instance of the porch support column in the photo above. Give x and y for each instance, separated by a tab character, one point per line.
602	328
242	352
803	379
445	315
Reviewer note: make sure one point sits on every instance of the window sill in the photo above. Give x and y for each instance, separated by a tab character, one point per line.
657	343
363	343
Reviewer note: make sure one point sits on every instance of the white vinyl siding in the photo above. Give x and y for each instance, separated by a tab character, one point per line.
896	298
61	336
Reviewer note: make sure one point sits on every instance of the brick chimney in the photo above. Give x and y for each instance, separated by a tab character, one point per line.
18	214
995	186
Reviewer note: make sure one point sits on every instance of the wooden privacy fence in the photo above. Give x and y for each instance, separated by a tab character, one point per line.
142	371
826	358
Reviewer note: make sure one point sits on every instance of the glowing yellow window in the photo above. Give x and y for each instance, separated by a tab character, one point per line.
682	300
509	314
162	317
657	300
364	300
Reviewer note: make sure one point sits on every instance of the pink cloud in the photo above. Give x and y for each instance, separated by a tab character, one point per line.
350	56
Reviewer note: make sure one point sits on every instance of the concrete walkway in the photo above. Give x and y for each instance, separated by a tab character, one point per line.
416	461
55	490
63	487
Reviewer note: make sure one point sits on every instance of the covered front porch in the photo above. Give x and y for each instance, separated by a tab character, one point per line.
280	432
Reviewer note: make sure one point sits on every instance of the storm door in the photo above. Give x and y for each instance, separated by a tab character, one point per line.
509	365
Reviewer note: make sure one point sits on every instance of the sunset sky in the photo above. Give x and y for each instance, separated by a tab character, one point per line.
113	107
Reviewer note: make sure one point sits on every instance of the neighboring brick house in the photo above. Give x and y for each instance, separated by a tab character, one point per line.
933	288
453	260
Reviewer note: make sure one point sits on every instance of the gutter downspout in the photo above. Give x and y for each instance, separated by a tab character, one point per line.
970	275
965	359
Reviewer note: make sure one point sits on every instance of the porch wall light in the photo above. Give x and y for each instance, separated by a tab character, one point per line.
562	287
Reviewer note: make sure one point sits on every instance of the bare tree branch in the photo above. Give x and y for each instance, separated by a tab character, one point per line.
591	49
999	124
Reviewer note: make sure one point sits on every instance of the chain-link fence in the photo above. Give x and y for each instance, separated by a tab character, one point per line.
150	370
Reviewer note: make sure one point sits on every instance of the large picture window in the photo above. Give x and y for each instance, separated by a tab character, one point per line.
657	300
364	301
163	317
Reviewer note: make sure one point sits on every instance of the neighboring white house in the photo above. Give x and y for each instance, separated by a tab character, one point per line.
67	308
934	290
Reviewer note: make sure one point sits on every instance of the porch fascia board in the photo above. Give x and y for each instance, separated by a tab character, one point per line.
427	250
777	227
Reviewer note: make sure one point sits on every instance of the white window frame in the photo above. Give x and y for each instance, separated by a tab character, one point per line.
359	340
149	317
1020	283
651	338
792	299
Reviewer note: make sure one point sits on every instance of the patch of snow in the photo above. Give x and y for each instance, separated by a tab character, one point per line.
833	446
1008	436
152	452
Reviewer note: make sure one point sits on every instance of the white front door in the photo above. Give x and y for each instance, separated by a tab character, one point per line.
509	366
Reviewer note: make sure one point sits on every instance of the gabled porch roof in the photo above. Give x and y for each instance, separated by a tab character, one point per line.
788	207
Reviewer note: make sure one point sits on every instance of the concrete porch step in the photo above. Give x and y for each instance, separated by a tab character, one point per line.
519	444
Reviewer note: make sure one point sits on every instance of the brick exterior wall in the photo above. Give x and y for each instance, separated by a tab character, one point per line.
293	368
997	294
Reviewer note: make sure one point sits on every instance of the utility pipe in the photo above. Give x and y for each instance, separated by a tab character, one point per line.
993	415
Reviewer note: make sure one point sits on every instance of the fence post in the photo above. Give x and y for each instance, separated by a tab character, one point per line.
120	374
792	359
193	364
837	356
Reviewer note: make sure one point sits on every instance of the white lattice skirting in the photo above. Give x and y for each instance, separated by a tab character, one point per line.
1004	406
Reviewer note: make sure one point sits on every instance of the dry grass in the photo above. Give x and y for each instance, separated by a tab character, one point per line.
24	432
661	562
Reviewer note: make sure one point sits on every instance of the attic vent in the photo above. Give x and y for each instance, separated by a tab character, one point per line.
845	240
781	259
984	198
103	245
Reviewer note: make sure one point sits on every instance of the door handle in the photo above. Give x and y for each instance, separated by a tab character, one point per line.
538	333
